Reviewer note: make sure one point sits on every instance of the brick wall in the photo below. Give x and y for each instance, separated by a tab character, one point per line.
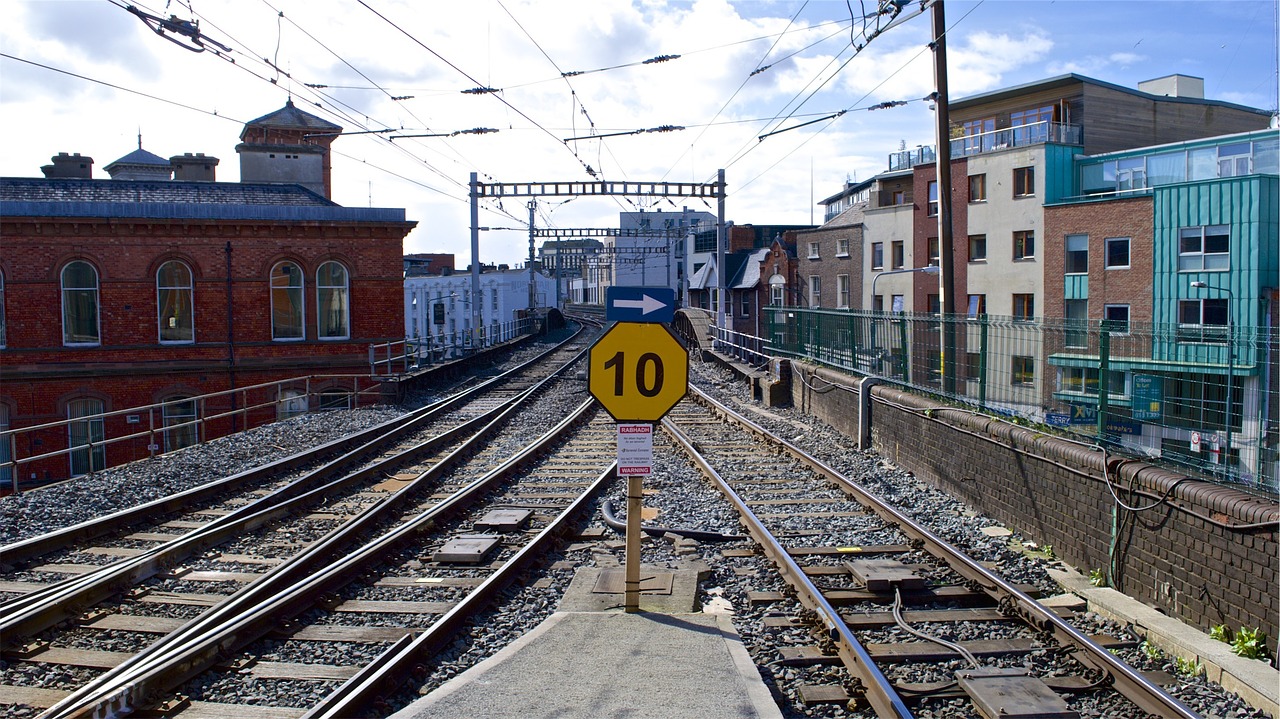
1130	218
130	368
1200	561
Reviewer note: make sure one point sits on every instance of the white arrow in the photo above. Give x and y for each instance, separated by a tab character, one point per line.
645	304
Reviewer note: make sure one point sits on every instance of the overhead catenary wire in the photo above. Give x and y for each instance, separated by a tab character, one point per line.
113	86
462	72
900	68
338	109
896	19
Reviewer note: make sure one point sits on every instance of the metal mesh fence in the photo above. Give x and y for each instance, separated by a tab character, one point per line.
1154	391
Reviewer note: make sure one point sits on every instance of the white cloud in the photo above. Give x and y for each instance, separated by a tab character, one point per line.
720	42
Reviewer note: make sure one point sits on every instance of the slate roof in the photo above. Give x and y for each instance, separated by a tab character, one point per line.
291	118
748	274
702	278
140	157
41	197
37	189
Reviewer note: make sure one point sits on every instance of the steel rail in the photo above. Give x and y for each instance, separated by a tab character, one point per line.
32	547
286	590
1147	695
390	669
64	600
880	693
172	552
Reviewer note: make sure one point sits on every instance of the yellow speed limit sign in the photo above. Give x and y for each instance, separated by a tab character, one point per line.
638	371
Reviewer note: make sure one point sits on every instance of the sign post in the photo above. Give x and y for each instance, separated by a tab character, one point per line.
637	371
635	462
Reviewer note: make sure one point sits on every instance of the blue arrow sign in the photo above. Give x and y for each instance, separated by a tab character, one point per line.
639	304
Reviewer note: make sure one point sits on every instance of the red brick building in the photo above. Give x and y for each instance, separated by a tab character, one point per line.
118	294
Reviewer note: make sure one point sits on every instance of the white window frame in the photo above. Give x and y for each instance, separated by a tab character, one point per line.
1201	261
1106	260
814	247
1106	312
842	247
161	290
874	247
842	291
815	290
97	305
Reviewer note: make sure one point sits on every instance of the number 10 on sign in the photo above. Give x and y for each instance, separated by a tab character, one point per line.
638	371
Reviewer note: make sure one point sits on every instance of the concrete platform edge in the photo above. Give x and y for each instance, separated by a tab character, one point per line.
1255	681
485	666
757	693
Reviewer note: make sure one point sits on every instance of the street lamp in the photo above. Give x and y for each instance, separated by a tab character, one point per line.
929	270
1231	353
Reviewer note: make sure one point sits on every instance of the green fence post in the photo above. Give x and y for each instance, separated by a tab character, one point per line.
982	360
903	355
1104	364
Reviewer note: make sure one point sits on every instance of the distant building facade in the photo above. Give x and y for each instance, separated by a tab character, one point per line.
439	308
125	293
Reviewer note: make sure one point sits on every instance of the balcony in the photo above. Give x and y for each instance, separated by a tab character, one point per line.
1037	133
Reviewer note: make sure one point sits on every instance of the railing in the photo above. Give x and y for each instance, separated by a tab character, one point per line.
399	357
1037	133
740	345
150	430
1154	391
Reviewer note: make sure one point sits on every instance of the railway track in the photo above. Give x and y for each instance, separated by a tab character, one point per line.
166	579
879	593
372	615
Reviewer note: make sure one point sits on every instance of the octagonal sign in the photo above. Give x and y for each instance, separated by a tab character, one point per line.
638	371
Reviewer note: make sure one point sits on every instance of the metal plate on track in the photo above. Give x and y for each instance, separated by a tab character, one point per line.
614	581
1012	694
503	520
467	548
881	575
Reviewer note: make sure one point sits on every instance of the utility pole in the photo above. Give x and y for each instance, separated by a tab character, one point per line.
947	287
475	261
722	243
533	285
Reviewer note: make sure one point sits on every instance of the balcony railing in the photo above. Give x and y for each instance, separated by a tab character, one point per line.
1037	133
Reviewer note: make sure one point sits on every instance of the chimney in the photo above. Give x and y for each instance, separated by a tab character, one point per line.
67	166
194	168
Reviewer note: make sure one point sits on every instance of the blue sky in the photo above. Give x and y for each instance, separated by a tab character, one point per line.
369	53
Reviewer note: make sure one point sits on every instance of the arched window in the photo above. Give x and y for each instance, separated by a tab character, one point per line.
180	429
85	436
80	305
333	321
174	300
286	302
